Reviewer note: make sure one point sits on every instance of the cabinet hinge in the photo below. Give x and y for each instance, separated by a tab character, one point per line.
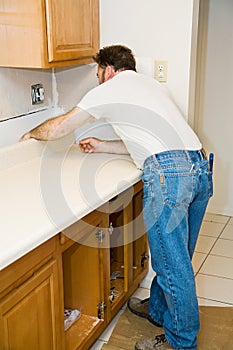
100	236
101	306
144	258
110	229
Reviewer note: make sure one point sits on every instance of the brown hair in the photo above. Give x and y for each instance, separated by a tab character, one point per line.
118	56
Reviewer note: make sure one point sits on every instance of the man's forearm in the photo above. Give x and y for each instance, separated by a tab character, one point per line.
60	126
117	147
49	130
95	145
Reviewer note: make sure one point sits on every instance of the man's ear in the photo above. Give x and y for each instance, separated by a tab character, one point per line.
109	72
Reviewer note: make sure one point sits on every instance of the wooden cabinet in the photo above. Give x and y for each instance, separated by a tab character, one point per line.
47	33
91	267
127	240
30	312
120	250
140	246
83	271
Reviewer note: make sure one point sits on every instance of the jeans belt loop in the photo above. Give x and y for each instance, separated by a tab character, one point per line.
155	160
188	156
203	153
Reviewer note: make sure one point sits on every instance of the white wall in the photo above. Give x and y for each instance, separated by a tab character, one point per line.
72	85
215	125
154	30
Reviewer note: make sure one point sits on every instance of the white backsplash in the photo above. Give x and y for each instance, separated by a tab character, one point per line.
12	129
15	91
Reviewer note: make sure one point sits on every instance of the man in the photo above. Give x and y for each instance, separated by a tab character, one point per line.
176	177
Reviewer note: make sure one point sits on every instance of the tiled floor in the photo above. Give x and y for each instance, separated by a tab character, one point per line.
213	266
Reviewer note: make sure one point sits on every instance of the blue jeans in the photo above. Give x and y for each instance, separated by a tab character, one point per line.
177	188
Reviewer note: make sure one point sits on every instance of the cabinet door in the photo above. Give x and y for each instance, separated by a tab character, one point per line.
83	263
28	314
140	246
120	253
72	29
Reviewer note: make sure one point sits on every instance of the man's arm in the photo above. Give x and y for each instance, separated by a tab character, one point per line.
60	126
94	145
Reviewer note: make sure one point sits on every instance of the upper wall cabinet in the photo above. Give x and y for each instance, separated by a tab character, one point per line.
48	33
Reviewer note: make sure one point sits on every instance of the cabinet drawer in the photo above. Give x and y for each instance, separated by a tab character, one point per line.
22	269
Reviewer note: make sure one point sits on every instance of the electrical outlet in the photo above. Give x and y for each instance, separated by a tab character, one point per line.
37	94
160	71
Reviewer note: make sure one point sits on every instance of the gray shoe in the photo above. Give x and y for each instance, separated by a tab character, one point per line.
159	342
140	308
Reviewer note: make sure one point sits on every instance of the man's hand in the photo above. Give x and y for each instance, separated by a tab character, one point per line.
91	145
94	145
25	136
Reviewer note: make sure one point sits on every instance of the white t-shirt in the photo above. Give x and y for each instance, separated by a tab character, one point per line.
142	113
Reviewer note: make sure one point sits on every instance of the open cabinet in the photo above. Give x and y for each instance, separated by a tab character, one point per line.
120	235
128	248
140	245
83	273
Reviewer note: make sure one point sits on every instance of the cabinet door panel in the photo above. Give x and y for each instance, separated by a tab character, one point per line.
27	314
69	41
140	246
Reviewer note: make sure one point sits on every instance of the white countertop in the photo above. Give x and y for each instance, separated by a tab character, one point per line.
47	186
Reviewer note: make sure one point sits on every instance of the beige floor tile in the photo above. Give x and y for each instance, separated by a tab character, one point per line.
208	302
218	266
228	232
146	282
223	247
216	218
104	337
215	288
212	229
205	243
230	221
98	345
197	261
142	293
